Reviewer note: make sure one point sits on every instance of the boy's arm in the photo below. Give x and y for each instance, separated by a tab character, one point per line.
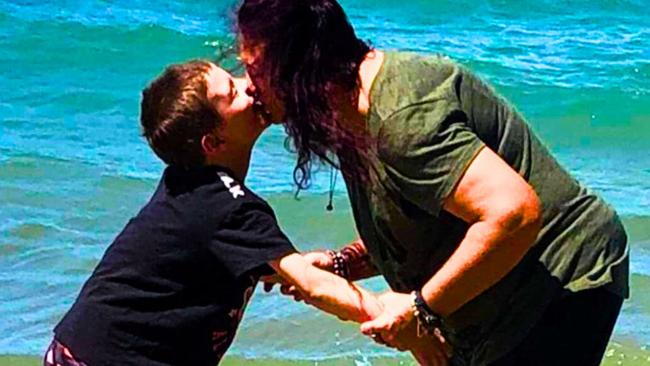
354	257
327	291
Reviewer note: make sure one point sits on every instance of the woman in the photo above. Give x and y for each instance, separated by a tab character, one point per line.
475	226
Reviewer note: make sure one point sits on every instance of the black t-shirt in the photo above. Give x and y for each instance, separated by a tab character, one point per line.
173	286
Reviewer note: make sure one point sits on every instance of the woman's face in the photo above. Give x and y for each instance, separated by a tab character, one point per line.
241	124
260	87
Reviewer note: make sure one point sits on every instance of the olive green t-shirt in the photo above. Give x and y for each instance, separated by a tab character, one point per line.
429	118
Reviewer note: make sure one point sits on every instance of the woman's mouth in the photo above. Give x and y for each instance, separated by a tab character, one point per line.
260	110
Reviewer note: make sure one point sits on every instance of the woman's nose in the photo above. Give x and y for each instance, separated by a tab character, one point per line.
251	90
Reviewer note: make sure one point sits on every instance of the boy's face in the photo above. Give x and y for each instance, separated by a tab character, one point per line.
241	125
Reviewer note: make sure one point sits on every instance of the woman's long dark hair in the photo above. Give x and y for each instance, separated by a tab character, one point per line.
310	59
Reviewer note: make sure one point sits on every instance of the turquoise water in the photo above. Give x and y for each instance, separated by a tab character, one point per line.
73	167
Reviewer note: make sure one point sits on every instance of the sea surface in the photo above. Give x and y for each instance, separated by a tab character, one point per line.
74	168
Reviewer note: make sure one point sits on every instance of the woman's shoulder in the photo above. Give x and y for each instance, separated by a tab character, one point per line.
419	64
408	79
437	59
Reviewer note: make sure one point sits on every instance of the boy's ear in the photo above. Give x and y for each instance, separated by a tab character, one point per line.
211	144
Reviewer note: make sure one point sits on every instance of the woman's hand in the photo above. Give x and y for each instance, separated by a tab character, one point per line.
396	327
397	315
428	350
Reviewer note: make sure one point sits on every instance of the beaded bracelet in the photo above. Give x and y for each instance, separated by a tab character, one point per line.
428	320
340	264
357	261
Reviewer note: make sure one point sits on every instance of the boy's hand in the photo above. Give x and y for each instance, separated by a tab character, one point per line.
285	287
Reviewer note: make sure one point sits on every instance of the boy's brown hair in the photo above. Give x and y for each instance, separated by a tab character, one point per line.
175	113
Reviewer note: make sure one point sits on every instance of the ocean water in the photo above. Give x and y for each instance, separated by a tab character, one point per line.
74	169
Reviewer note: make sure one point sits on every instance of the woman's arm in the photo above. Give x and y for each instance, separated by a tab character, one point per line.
504	214
504	217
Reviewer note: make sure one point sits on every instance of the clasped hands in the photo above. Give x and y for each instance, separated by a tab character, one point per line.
395	327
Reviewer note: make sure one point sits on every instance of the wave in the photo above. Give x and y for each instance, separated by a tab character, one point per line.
550	47
81	58
192	18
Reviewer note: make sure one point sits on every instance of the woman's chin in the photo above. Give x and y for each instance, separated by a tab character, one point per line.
262	122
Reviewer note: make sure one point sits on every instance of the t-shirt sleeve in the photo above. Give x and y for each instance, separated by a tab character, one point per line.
425	149
249	238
